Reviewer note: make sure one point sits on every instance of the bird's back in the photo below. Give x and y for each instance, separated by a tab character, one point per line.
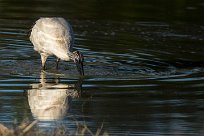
52	36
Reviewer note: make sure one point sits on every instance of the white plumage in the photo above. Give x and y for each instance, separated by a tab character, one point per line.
52	36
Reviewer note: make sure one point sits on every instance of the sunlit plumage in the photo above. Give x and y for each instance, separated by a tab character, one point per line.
54	36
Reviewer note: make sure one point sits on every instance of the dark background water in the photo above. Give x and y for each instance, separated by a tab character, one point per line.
144	66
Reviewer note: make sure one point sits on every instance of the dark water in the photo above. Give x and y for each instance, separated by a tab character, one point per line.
144	67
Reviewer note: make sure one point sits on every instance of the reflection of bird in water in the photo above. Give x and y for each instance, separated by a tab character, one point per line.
50	101
54	36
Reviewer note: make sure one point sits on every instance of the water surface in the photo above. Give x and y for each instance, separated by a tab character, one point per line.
143	65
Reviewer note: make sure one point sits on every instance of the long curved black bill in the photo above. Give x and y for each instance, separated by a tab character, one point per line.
80	68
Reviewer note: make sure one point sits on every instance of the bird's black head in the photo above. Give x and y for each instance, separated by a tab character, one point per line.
79	59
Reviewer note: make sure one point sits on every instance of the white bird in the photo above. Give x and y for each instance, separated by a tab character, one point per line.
54	36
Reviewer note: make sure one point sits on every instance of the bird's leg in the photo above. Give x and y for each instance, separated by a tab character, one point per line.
43	59
57	63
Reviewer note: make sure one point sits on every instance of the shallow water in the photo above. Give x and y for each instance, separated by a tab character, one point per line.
143	65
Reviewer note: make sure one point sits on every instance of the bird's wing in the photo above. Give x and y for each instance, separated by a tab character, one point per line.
68	33
60	33
53	35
